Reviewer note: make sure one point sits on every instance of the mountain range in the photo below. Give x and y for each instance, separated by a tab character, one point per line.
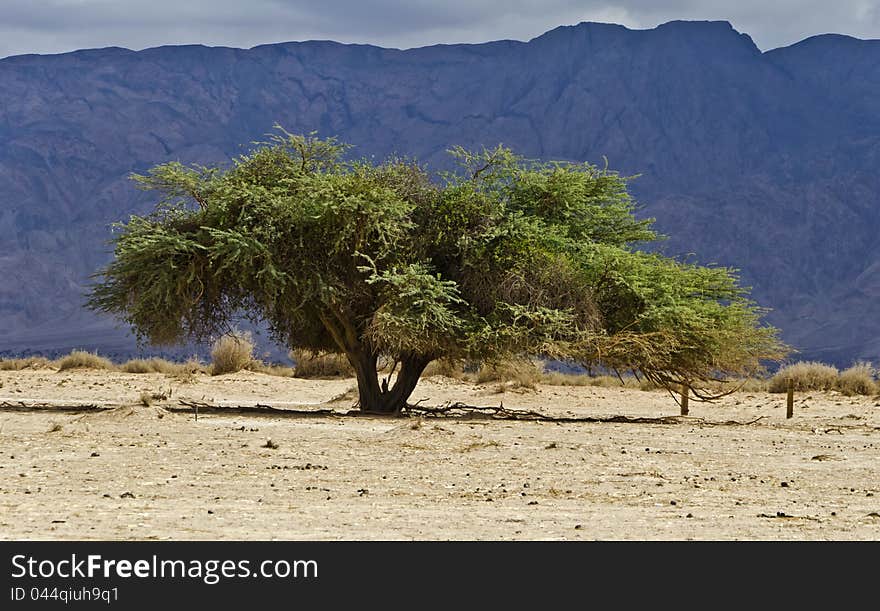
762	161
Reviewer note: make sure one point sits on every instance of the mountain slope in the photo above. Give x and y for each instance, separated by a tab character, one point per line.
761	161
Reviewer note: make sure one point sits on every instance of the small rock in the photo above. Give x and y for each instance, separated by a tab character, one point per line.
578	527
126	495
690	515
784	484
673	503
94	455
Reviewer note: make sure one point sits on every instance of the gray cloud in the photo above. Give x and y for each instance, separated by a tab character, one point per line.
52	26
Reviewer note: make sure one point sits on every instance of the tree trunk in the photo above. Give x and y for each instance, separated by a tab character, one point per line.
411	368
369	393
378	399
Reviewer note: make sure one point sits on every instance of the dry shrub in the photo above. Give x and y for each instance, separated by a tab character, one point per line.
168	368
320	365
807	375
232	353
31	362
154	365
446	368
857	380
521	374
186	372
79	359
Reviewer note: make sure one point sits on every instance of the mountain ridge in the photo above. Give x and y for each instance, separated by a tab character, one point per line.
763	161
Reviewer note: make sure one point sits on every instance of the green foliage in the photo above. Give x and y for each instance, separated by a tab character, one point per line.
503	259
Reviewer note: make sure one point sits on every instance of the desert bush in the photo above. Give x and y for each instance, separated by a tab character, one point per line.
186	372
320	365
79	359
154	365
807	375
31	362
446	368
232	353
523	374
857	380
168	368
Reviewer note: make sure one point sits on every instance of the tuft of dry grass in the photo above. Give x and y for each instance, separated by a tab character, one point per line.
154	365
807	375
857	380
79	359
31	362
322	365
511	375
445	368
520	374
186	372
232	353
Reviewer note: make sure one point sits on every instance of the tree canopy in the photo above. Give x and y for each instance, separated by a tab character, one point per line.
503	258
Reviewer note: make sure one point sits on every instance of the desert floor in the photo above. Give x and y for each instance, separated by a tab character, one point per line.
735	469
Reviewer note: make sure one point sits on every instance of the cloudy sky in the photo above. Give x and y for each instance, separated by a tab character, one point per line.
53	26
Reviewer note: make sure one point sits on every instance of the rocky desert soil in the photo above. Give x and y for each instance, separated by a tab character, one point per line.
81	457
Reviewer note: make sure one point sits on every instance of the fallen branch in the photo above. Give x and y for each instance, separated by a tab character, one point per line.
21	406
255	410
463	410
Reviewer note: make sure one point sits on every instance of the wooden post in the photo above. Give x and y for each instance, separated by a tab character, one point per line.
789	401
684	399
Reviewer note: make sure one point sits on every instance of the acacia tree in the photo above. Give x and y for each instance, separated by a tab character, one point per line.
504	258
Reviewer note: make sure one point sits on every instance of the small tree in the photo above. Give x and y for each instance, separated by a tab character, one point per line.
504	258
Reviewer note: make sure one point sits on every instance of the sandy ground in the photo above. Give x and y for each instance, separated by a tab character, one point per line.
137	472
